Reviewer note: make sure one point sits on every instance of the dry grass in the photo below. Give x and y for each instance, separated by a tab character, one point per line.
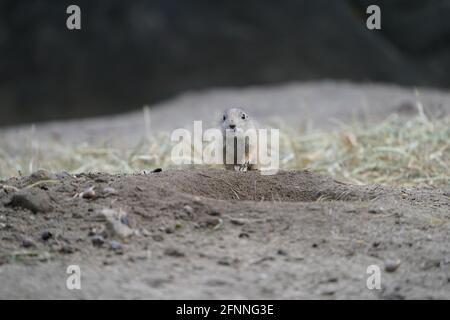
397	151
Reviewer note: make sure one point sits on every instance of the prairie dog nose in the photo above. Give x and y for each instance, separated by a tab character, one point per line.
232	126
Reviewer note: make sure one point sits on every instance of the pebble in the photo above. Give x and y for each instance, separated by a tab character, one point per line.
391	265
46	235
376	244
109	191
376	210
63	175
66	249
98	240
35	200
214	213
42	175
212	222
115	245
158	237
237	222
124	219
224	262
28	243
169	230
188	209
44	257
89	193
173	252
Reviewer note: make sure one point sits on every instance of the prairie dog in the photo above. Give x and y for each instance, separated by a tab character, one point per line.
237	123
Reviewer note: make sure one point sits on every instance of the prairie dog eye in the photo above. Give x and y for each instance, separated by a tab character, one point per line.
243	116
224	117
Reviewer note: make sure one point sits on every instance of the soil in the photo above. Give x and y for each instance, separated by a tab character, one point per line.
193	234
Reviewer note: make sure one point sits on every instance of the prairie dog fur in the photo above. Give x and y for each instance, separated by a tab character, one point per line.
237	122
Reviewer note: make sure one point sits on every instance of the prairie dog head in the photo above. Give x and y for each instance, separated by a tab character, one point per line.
235	118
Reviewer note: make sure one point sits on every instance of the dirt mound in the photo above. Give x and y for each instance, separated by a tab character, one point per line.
218	234
291	186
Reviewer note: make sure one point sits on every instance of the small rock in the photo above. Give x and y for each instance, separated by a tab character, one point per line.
109	191
173	252
391	265
169	230
98	240
115	245
376	244
89	193
42	175
212	222
46	235
376	210
35	200
63	175
198	200
158	237
108	262
77	215
28	243
237	222
226	261
44	256
66	249
124	219
188	209
214	213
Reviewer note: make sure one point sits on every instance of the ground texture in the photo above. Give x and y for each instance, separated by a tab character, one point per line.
218	234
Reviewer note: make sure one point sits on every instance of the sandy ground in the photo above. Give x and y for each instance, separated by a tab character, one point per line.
217	234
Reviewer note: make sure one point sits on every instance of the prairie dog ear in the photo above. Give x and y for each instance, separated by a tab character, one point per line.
222	116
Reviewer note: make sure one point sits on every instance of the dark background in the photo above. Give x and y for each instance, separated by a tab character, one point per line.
131	53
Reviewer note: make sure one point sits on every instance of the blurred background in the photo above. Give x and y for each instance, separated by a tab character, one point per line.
132	53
